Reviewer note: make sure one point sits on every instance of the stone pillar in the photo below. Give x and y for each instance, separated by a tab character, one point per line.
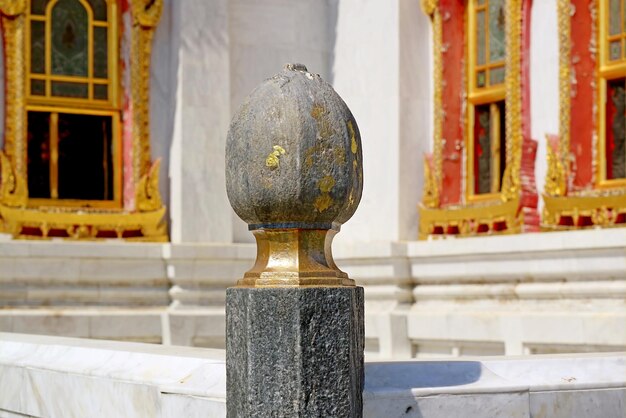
294	322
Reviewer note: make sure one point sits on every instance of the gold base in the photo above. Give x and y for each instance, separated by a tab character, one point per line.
577	212
84	224
294	258
498	218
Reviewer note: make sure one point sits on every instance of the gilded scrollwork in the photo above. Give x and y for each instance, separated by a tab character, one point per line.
148	196
429	6
430	197
556	180
511	185
12	8
565	81
13	25
146	15
12	187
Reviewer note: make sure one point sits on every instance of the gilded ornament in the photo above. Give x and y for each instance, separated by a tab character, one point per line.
148	196
556	180
12	8
430	197
429	6
12	187
146	13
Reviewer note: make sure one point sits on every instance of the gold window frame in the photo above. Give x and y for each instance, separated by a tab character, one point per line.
78	106
478	96
116	202
144	210
607	71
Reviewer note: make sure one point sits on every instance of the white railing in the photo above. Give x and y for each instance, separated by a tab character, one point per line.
52	377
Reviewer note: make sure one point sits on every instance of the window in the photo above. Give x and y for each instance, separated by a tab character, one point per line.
612	77
73	155
486	149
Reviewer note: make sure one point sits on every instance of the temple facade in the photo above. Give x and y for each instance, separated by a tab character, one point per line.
494	158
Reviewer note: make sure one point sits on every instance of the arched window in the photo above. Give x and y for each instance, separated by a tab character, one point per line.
73	109
486	98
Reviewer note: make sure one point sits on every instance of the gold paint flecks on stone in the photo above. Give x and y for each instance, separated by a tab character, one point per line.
272	160
324	201
353	147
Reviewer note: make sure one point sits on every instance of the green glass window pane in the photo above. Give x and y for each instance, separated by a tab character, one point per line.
38	87
615	50
496	76
72	90
70	46
615	17
38	7
37	47
481	79
101	92
99	9
100	52
480	38
497	41
482	150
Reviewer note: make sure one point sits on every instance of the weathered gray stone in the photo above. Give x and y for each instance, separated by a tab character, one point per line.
294	352
293	155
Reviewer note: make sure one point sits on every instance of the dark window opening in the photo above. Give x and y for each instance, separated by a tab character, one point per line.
70	156
616	130
489	147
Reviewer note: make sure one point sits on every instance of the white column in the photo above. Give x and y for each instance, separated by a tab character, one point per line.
264	36
544	81
382	70
199	208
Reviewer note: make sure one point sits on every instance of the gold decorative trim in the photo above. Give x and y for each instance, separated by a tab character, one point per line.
578	212
431	8
84	225
14	155
511	182
495	219
148	195
484	216
564	10
146	15
145	222
430	196
12	8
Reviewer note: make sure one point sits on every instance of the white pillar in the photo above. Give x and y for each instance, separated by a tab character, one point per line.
381	68
199	209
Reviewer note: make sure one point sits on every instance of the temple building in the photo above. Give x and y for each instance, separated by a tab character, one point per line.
494	157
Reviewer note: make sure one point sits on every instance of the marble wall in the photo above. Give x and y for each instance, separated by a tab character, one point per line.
518	294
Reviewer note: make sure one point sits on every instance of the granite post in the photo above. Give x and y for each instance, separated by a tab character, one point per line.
294	322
